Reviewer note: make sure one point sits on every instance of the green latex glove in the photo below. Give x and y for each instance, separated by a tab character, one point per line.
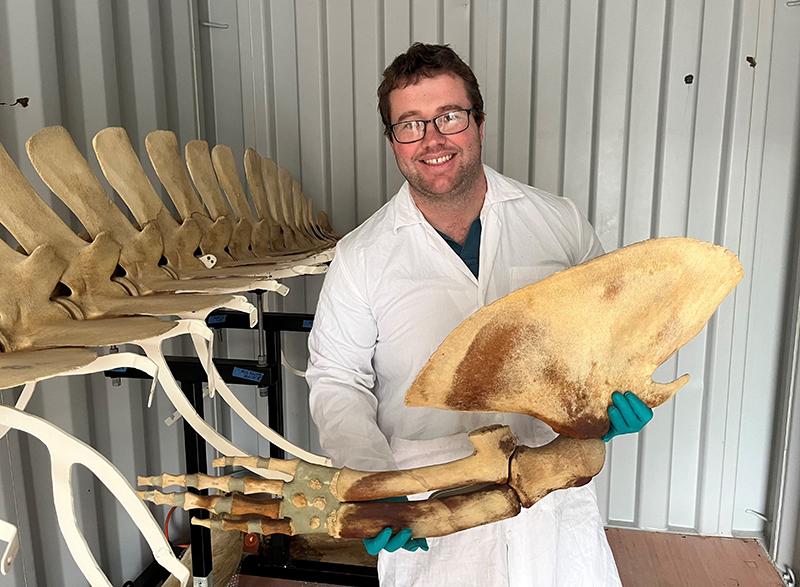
385	540
628	415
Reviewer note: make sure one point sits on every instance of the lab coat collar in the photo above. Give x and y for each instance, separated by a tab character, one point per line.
498	189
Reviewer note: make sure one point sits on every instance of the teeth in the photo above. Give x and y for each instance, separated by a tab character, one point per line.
439	159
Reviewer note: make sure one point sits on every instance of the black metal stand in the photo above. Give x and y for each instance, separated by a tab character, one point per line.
196	463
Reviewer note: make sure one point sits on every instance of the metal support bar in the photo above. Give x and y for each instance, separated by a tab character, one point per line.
262	341
196	463
312	571
272	340
189	370
284	322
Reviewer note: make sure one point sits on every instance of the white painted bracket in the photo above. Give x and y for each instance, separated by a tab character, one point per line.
8	534
208	260
309	269
289	367
256	284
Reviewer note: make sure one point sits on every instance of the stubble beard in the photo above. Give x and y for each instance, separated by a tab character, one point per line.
466	180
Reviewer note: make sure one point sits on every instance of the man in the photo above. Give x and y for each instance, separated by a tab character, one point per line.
457	236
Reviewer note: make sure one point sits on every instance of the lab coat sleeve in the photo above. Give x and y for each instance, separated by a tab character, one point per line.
341	376
589	245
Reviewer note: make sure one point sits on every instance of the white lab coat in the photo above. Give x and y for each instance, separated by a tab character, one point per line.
393	292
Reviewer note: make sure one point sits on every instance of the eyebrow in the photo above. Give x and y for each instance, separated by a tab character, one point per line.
441	110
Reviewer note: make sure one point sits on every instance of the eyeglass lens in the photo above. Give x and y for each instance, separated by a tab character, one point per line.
447	124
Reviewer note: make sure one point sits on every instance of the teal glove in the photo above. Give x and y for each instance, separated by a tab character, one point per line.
385	540
628	415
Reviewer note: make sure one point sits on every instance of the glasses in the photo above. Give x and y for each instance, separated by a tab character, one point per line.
451	123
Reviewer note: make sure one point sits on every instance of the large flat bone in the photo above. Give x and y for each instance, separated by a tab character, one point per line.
25	366
228	174
162	147
558	349
198	161
67	173
255	181
124	172
494	446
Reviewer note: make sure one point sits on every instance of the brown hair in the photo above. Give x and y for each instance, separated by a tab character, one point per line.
422	60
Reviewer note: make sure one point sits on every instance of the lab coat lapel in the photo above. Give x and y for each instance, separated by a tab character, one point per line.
443	249
490	239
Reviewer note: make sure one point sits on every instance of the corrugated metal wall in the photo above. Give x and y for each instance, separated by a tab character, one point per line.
589	99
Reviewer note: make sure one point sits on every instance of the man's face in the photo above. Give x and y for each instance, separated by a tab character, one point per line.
439	166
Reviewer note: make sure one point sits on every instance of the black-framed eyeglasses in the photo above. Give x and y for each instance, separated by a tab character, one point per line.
449	123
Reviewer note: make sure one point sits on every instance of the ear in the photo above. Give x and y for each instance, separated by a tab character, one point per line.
391	144
480	128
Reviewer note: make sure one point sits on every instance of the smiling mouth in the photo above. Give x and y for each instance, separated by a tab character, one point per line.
438	160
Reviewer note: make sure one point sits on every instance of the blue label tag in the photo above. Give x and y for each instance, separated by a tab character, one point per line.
119	370
248	374
217	319
308	323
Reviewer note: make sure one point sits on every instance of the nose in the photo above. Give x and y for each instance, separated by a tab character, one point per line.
432	136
